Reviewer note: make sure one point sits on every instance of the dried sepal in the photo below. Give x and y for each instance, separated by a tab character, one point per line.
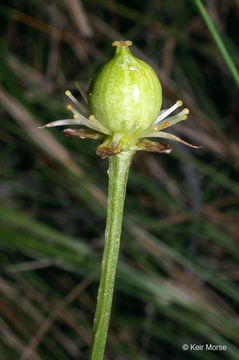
106	150
153	146
83	134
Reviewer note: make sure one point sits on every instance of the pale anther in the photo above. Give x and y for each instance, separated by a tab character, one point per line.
91	118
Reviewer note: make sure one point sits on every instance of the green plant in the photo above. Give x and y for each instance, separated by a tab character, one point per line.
177	278
125	100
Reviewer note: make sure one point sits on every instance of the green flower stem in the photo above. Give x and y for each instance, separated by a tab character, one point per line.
225	54
118	175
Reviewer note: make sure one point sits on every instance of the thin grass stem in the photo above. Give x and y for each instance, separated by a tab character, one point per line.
218	40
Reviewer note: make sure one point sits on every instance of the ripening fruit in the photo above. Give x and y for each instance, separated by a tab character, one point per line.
125	93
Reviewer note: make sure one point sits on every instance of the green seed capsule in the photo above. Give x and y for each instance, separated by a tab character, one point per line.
126	93
124	98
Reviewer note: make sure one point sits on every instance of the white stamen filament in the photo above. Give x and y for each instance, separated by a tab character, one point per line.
81	91
91	122
73	99
165	113
116	139
83	120
101	128
82	108
73	110
173	120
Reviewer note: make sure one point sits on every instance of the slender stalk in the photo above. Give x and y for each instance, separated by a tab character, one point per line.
118	176
225	54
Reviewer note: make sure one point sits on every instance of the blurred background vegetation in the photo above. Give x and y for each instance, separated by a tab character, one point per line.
178	274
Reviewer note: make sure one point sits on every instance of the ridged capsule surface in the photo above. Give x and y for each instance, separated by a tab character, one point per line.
125	93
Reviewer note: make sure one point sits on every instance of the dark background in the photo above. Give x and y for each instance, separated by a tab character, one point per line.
177	279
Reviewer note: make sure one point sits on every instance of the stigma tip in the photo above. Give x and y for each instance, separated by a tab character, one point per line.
122	43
